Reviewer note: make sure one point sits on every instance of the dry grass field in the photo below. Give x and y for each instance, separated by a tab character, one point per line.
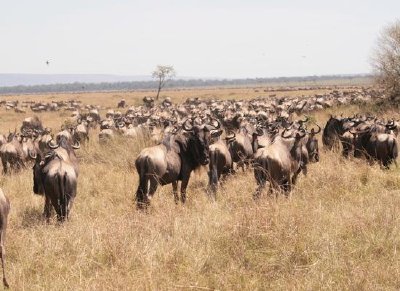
340	228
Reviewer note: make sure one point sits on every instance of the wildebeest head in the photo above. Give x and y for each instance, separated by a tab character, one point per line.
391	126
64	142
361	139
312	145
333	129
198	141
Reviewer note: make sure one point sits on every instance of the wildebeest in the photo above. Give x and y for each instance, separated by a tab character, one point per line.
241	149
221	164
56	176
121	104
311	143
4	210
31	123
381	147
12	154
172	161
81	132
279	163
332	130
65	150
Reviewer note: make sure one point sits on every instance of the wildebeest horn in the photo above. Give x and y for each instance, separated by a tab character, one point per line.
305	120
390	124
218	126
32	156
184	126
53	147
313	131
76	146
290	126
259	131
298	136
174	130
230	137
283	134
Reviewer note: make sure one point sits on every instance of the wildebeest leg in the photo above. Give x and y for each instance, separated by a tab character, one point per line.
273	188
20	164
141	193
386	164
247	163
70	203
295	175
47	209
260	176
60	211
241	164
175	191
3	257
222	178
261	186
184	184
152	189
287	186
213	181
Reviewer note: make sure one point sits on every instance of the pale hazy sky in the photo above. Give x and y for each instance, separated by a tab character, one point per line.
204	38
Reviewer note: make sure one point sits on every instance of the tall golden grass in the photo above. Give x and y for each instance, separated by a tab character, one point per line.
340	229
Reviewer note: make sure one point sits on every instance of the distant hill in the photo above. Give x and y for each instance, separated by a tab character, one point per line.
9	80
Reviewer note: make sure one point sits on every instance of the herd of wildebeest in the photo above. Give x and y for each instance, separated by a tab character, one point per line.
274	137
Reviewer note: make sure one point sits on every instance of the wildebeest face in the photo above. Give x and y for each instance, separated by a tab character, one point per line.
360	141
200	139
313	150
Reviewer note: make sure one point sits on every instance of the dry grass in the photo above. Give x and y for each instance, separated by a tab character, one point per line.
340	229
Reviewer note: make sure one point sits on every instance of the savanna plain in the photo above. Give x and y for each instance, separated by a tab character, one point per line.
339	229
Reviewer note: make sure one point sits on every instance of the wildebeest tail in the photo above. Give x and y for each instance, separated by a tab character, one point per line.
63	200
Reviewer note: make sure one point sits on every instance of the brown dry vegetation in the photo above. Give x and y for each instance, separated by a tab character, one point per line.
340	229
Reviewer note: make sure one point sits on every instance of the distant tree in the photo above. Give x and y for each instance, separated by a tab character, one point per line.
386	59
162	74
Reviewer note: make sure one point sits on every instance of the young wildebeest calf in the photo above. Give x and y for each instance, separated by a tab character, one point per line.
4	210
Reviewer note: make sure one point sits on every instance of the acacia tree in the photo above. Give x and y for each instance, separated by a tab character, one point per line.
162	74
386	59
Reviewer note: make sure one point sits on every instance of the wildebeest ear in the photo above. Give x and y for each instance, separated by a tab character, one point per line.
216	133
